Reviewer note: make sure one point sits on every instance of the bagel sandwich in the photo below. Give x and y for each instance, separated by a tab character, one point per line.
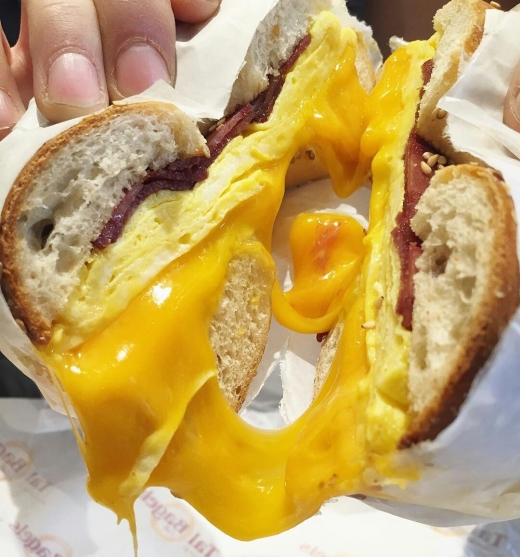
151	323
135	256
441	277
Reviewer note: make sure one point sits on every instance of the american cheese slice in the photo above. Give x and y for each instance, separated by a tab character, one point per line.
144	386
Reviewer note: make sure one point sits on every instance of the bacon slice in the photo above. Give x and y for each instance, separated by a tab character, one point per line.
418	175
183	175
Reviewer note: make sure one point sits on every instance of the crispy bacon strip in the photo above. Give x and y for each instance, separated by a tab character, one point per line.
183	175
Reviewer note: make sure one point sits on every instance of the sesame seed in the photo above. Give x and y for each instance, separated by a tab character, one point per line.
427	155
440	166
440	113
495	5
369	325
443	160
57	337
432	161
379	302
425	168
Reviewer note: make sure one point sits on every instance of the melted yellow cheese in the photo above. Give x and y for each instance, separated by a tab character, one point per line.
328	117
326	251
391	115
143	381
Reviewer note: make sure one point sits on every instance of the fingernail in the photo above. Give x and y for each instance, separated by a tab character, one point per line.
73	80
138	67
8	113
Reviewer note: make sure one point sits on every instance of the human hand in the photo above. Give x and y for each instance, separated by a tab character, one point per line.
512	102
75	56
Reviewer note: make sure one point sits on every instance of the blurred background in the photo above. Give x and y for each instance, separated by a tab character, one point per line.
409	19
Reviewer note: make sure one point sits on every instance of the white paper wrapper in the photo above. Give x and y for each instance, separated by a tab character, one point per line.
45	511
294	355
208	78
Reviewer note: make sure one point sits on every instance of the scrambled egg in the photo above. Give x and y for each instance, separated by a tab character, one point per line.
170	224
132	350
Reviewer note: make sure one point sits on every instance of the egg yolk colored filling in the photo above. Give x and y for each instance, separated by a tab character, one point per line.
144	385
326	250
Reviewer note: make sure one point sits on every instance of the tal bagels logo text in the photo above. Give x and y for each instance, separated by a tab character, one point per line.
16	459
16	464
41	546
173	521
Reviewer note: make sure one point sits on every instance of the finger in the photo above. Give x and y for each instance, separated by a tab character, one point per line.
512	102
21	64
67	58
194	11
4	44
138	44
11	105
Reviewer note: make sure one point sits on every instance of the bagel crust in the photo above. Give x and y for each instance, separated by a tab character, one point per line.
494	302
13	233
